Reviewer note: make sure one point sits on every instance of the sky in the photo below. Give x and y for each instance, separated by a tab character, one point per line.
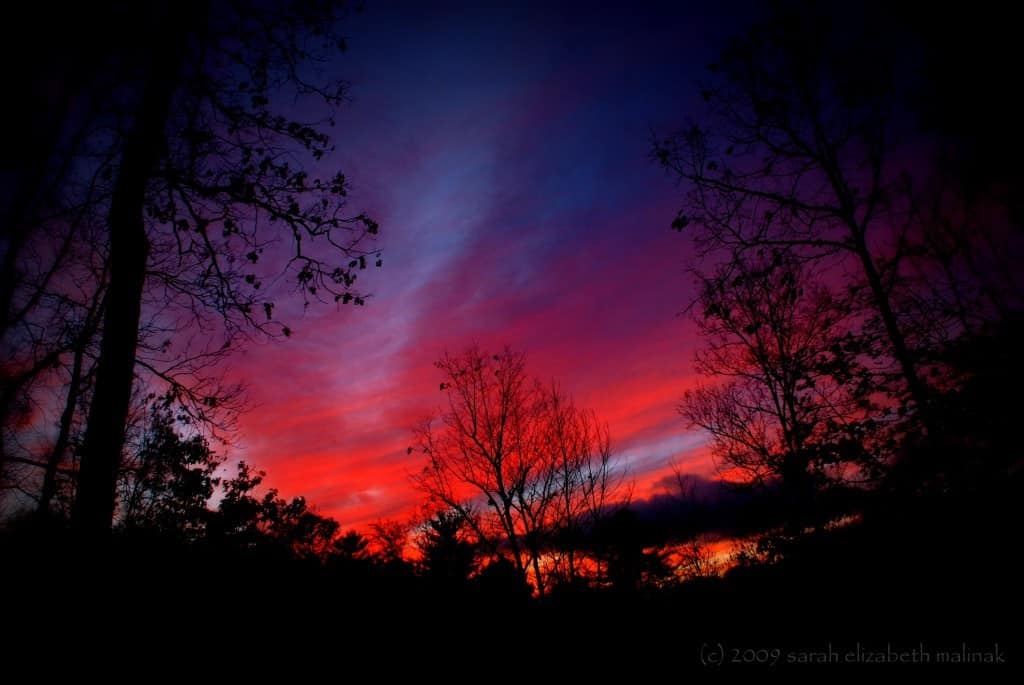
505	150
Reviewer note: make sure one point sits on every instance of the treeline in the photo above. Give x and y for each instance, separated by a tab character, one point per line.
179	503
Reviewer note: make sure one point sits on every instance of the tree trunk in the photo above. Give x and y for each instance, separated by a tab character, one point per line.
892	328
847	203
896	338
49	488
129	252
535	556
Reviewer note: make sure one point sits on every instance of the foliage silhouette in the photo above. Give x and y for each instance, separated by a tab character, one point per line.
177	159
448	557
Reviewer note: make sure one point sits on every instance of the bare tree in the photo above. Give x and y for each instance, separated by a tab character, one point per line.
586	480
777	408
52	275
47	352
799	154
536	464
78	377
696	559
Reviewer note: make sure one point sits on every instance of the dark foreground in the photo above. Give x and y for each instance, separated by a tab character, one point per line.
926	584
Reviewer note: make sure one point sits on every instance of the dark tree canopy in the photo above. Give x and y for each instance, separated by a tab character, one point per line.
448	556
184	185
810	147
788	398
168	484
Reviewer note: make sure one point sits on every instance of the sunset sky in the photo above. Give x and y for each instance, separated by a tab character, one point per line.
505	153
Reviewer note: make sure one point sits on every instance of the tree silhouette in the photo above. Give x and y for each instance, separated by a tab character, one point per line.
448	556
537	463
696	560
292	523
799	154
237	520
349	555
786	402
167	486
388	540
197	143
53	257
811	148
47	351
587	484
619	541
244	520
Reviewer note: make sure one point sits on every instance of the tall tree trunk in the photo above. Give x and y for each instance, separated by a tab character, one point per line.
897	340
129	252
49	487
847	201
